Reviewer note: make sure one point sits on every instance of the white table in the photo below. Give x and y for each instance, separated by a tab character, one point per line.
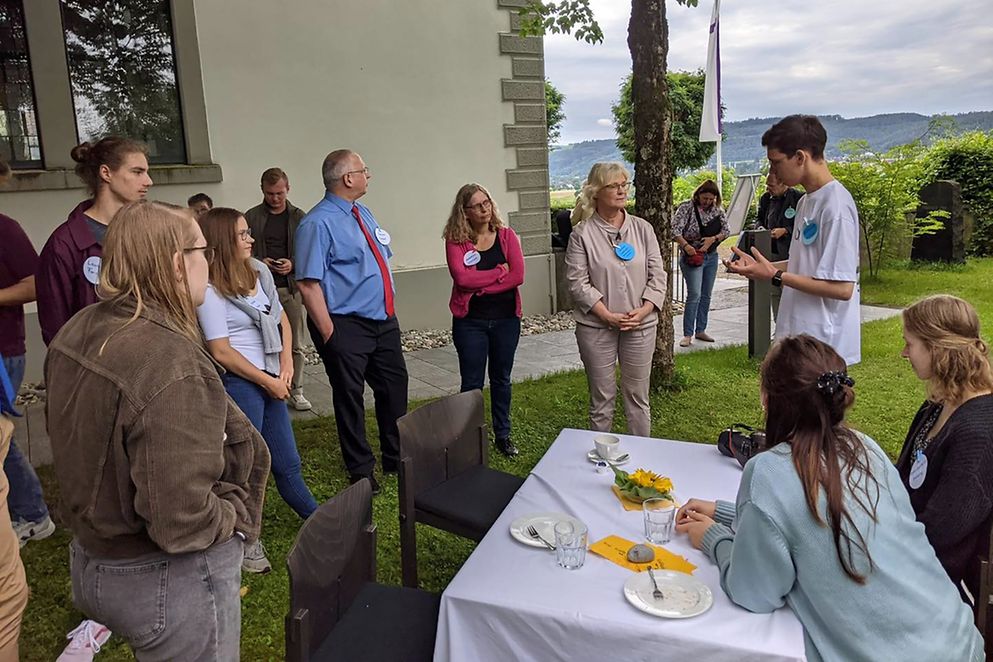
512	602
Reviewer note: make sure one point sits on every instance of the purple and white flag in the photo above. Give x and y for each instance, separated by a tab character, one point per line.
710	121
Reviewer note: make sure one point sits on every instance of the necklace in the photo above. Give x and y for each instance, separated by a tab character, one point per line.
921	440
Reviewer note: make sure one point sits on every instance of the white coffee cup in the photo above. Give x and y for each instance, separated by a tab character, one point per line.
607	446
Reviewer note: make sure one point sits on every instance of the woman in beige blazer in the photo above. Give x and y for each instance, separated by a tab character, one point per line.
617	282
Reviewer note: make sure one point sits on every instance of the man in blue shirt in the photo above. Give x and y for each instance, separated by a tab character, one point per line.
343	274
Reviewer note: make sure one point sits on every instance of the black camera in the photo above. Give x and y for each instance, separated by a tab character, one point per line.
741	442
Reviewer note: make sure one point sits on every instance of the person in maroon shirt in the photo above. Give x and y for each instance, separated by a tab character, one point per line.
18	263
115	170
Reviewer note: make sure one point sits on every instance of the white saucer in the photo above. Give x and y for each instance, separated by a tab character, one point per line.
593	456
543	522
683	595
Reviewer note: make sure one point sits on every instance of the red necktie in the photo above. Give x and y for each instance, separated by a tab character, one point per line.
383	269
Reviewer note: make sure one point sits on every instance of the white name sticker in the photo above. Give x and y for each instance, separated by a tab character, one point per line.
471	258
383	236
918	471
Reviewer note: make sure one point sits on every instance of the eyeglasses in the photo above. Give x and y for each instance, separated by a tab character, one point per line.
208	252
481	207
245	234
364	171
620	186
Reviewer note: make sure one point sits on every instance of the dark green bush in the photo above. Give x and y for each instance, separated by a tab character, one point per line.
968	159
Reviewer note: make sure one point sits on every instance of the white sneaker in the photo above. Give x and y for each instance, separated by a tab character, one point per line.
84	642
33	530
300	403
255	560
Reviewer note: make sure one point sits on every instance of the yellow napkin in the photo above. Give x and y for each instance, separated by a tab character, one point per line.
615	548
627	503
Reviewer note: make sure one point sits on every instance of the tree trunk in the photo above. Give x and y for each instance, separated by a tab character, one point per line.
648	41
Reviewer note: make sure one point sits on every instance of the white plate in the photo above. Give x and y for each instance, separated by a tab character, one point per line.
593	456
543	522
683	595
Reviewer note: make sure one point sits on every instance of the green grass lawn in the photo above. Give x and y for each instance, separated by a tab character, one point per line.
720	388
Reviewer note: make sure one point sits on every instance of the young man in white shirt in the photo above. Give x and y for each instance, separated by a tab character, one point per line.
820	279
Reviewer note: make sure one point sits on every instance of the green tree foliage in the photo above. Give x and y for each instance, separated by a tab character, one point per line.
968	159
554	115
686	95
885	188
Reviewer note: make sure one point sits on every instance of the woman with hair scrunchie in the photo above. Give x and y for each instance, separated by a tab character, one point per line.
699	226
617	282
947	458
822	524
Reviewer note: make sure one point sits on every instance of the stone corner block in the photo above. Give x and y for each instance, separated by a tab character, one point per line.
532	135
527	179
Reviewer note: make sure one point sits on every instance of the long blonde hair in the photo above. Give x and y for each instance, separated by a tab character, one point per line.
960	363
600	175
138	262
458	229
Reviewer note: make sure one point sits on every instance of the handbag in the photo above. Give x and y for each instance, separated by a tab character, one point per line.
695	260
740	441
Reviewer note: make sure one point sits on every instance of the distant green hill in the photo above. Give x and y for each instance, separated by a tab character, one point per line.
569	164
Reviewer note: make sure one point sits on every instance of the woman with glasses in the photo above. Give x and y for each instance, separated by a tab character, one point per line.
617	282
161	476
487	267
699	226
248	333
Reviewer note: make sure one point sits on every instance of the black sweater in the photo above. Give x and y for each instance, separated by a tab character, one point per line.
955	500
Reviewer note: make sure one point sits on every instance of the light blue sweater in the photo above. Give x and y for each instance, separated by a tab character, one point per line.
777	554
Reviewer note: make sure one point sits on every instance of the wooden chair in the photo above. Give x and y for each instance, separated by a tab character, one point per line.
984	594
444	480
337	610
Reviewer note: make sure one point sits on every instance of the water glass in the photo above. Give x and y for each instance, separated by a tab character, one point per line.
660	515
570	544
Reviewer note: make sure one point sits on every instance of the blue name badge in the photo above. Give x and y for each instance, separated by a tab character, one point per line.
625	251
810	231
790	212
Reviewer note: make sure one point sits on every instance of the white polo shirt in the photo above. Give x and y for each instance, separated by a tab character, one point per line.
825	246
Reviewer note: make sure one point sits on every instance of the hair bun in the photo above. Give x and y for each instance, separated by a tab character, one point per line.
81	152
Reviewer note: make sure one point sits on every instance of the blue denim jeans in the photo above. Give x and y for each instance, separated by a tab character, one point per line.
165	606
699	286
496	340
271	418
25	499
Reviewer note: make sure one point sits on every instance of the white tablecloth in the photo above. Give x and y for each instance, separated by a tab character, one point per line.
511	602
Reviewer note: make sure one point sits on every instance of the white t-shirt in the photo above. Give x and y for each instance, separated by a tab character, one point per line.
219	318
825	246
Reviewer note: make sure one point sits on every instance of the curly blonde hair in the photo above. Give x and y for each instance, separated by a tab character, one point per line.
600	175
457	228
949	327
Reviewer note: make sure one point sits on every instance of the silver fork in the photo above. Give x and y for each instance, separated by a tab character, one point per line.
657	594
533	532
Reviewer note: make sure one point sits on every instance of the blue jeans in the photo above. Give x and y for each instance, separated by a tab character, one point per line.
478	340
699	285
25	499
271	418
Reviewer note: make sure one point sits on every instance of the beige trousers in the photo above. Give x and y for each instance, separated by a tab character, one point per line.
13	585
293	305
601	350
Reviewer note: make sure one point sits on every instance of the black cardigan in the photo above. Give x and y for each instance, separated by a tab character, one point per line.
955	501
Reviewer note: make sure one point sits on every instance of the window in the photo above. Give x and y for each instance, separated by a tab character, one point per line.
19	142
122	71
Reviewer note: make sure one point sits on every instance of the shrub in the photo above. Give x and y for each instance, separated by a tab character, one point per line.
968	159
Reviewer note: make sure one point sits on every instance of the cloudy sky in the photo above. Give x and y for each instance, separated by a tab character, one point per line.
847	57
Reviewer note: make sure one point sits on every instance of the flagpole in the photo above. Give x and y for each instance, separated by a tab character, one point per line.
720	168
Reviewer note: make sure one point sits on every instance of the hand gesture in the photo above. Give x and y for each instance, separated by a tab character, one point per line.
776	233
614	320
688	249
753	267
694	525
283	267
707	508
633	319
276	388
286	371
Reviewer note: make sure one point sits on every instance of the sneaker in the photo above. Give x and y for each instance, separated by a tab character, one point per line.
84	642
300	403
507	447
33	530
255	559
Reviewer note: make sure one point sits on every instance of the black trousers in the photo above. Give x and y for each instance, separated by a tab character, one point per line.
363	350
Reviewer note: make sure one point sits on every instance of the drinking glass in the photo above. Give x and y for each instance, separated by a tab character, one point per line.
660	515
570	544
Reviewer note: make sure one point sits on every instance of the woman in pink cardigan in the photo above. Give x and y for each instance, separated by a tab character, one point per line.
487	267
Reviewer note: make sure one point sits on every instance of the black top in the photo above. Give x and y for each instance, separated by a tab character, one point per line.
492	306
277	241
772	215
98	229
955	501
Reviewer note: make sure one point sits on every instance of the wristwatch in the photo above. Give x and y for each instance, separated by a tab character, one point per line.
777	279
